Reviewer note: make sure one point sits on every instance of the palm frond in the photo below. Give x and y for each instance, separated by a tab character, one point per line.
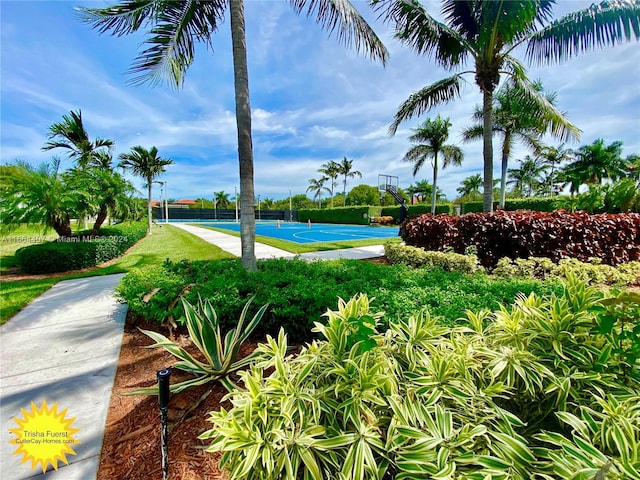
474	132
341	17
442	91
420	31
171	41
417	155
122	19
600	25
559	126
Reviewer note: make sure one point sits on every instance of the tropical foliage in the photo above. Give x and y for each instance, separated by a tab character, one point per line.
39	196
220	351
538	388
486	34
345	168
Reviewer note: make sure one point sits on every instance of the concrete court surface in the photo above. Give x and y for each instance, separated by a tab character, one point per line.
63	347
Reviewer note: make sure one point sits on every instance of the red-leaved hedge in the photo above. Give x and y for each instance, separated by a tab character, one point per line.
613	238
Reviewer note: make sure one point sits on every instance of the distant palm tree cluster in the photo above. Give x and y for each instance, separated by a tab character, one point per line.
331	171
92	188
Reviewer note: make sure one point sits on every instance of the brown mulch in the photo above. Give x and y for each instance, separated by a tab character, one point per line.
131	446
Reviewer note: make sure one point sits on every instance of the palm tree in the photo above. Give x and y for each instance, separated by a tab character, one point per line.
38	196
345	168
596	162
470	186
488	32
71	135
317	186
331	170
430	137
222	199
553	157
175	29
514	118
528	177
146	164
425	190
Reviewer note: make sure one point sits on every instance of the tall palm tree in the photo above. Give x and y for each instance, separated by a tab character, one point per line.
515	118
345	168
527	178
71	135
175	29
598	161
317	187
487	33
146	164
331	170
470	186
430	138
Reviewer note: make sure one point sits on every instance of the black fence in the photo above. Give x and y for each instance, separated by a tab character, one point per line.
185	214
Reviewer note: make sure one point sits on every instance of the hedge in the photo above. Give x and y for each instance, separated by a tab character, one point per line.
546	204
417	210
612	238
349	215
80	251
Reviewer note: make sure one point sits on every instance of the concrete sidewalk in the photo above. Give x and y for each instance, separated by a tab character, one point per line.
231	244
63	347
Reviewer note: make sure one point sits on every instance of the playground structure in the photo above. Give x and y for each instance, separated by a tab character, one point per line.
389	184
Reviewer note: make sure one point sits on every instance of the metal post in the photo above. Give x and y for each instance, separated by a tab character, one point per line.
290	210
166	204
163	399
236	190
259	215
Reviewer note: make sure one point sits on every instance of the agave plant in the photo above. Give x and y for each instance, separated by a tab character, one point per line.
219	351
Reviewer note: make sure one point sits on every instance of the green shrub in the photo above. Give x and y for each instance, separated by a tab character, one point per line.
532	390
593	272
80	251
418	209
418	257
298	291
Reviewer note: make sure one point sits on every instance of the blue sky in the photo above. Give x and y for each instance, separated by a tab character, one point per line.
313	100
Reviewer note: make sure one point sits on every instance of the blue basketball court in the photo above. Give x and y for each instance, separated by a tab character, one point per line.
318	232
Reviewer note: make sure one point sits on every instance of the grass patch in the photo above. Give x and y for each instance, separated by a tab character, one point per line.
299	248
166	242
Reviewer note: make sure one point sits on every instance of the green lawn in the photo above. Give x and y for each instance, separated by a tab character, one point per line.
166	242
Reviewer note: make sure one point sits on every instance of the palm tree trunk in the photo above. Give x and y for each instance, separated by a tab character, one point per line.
487	150
62	226
434	195
149	182
506	149
102	216
245	147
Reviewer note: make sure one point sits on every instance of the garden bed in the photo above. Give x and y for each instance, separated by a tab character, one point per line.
131	447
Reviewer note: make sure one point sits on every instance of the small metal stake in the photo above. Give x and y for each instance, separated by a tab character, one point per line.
163	399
